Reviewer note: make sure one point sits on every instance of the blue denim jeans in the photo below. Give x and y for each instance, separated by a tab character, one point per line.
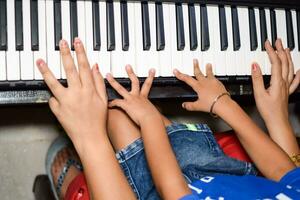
197	153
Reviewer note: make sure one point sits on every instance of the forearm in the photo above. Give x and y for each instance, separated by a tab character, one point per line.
102	171
268	157
163	165
283	134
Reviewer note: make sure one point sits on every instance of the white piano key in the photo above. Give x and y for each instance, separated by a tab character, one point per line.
42	52
27	62
12	56
81	25
197	54
187	54
176	55
295	53
219	66
93	56
141	60
53	55
66	32
152	54
210	54
165	56
2	65
104	55
117	59
230	54
129	56
281	26
243	53
259	54
267	60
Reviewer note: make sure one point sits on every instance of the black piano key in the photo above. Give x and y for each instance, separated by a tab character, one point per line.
124	26
74	22
193	27
57	23
289	30
235	29
205	43
160	29
34	25
146	26
252	29
273	26
223	28
110	24
3	26
96	26
180	28
19	25
263	28
298	28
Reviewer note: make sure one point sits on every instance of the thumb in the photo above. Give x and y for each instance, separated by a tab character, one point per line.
294	85
116	103
190	106
257	79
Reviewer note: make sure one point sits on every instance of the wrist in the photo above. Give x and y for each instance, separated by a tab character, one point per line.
222	104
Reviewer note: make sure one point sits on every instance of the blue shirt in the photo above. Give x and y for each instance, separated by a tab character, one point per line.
222	187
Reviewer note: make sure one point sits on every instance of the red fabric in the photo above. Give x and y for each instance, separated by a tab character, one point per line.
77	189
228	142
231	146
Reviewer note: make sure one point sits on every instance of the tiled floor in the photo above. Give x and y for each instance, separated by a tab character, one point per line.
26	133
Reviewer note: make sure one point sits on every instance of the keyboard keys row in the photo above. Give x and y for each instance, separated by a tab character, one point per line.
146	35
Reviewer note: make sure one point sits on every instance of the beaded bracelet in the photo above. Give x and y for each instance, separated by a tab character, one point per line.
215	101
296	159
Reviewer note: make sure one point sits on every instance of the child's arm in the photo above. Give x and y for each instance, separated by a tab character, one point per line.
268	157
81	109
162	162
272	103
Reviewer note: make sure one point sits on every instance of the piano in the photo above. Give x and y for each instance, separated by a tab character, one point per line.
160	34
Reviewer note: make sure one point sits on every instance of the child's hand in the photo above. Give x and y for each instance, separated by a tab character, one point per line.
82	107
272	103
135	103
207	89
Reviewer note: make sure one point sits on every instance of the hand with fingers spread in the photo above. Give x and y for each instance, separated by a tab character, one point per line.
135	103
84	103
272	103
207	88
81	108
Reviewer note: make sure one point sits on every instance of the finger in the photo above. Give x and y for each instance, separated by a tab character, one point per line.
117	86
197	72
190	106
148	83
291	66
116	103
135	83
257	80
68	63
55	87
54	105
99	82
275	62
83	64
185	78
283	58
295	83
209	71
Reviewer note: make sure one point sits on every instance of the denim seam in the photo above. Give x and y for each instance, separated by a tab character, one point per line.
131	181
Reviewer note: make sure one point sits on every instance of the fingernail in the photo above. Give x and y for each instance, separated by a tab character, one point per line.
183	105
195	61
77	42
97	67
254	67
175	71
40	63
127	67
63	43
152	70
108	75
